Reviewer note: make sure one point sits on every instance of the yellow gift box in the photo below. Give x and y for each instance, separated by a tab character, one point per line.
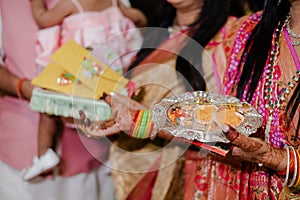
75	71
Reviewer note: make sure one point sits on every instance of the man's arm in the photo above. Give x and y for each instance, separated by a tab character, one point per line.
9	83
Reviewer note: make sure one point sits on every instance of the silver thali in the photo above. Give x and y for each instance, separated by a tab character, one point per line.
199	115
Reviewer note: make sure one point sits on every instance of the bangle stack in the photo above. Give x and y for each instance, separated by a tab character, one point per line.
292	171
141	126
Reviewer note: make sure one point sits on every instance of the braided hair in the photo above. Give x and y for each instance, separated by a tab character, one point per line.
257	50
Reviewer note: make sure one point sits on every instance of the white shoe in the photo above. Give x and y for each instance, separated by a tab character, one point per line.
39	165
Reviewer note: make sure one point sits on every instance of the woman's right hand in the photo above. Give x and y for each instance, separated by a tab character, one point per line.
123	109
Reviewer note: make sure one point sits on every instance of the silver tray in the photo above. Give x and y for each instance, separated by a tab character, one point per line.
199	116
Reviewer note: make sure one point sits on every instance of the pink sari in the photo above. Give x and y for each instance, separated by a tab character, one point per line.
218	177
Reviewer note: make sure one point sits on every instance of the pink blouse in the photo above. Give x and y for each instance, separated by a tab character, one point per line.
107	27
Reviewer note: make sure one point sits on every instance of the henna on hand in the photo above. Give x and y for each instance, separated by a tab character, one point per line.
256	150
250	145
230	134
275	159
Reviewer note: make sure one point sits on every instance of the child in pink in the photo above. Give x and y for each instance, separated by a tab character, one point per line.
87	22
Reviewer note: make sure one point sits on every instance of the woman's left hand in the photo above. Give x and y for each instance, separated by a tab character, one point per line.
255	150
123	109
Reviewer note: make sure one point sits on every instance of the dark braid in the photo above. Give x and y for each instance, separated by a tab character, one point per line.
257	50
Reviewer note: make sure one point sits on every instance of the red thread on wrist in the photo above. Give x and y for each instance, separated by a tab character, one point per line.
19	88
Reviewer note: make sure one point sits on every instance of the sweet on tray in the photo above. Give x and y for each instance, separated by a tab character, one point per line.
229	116
204	113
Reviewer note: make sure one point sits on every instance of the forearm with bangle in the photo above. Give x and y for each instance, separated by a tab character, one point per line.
8	82
291	173
14	86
